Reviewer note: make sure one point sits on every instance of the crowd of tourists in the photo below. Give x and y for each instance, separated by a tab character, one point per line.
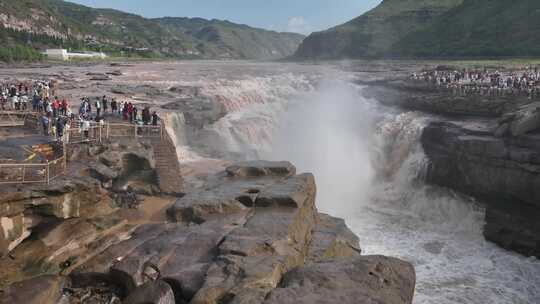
92	112
55	114
485	82
125	110
23	95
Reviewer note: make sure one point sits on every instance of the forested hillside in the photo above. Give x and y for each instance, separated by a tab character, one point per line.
36	24
433	29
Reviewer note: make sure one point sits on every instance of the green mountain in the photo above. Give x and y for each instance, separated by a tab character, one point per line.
216	38
433	29
38	24
372	34
478	28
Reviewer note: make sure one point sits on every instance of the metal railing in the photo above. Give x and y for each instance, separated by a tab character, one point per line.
80	135
13	118
32	173
26	173
97	133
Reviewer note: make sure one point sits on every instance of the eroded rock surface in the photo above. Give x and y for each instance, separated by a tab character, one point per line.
246	236
483	145
502	172
38	290
367	279
428	98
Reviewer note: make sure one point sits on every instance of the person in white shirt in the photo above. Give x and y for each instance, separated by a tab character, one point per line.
15	102
86	128
24	102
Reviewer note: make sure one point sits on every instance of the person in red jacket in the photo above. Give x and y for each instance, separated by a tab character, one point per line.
130	112
64	106
55	107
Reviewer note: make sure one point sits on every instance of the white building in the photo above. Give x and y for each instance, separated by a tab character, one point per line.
62	54
58	54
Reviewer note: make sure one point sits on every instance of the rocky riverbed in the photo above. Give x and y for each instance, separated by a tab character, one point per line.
232	232
414	172
483	146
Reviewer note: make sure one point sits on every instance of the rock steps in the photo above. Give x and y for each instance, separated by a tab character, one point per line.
167	166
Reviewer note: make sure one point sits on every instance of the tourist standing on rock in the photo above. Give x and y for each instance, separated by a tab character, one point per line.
64	107
41	105
35	102
125	110
86	128
98	107
15	102
135	114
48	107
121	108
105	104
56	107
3	101
114	106
60	124
82	108
146	117
155	119
45	124
88	106
24	102
12	91
130	111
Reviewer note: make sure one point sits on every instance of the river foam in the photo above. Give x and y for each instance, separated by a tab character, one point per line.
369	168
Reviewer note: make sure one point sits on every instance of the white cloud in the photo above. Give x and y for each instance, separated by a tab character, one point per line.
298	25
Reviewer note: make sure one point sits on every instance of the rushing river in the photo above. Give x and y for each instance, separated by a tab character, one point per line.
369	167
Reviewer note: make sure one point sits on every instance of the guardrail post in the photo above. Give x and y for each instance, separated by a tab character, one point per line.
64	147
48	173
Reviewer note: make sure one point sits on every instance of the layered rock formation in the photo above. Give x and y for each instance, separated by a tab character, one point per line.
502	172
483	146
251	234
418	95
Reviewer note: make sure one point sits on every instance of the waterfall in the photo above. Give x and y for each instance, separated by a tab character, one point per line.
253	107
370	168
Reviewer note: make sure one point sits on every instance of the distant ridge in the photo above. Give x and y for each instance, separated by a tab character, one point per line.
433	29
36	24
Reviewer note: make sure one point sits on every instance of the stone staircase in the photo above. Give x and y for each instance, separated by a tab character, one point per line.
167	166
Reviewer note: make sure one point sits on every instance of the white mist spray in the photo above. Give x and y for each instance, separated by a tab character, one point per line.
368	164
320	133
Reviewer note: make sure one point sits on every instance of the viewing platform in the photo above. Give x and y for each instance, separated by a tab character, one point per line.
17	118
29	156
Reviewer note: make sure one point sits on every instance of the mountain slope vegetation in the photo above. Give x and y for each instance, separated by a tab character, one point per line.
433	29
372	34
36	24
478	28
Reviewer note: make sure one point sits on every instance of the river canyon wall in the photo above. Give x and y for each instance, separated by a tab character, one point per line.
469	153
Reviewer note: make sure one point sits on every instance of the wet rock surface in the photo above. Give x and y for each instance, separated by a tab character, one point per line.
38	290
504	173
428	98
367	279
244	237
481	145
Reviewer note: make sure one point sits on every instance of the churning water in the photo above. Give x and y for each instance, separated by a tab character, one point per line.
369	168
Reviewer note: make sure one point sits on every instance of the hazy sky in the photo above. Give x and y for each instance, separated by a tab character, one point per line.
303	16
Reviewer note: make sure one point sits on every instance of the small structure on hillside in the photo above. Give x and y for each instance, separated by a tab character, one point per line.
63	54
